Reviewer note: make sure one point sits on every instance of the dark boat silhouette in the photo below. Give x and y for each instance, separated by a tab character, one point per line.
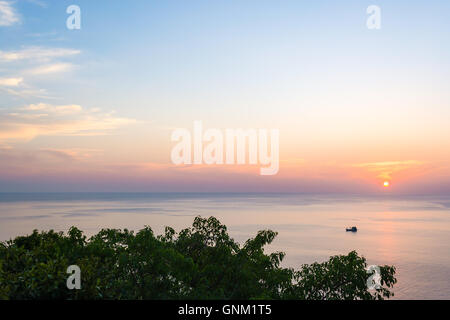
352	229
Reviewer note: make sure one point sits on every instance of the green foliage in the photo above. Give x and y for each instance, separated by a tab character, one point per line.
340	278
201	262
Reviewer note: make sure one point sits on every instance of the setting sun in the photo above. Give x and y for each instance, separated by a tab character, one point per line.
386	184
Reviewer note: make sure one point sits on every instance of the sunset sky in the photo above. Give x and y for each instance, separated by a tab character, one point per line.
93	109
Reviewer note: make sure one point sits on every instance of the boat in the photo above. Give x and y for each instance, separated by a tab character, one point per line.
352	229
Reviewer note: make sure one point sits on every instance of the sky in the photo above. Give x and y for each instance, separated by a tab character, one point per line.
93	109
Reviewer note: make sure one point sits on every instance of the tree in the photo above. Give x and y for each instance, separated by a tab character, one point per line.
200	262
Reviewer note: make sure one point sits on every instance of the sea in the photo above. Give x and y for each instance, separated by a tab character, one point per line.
410	232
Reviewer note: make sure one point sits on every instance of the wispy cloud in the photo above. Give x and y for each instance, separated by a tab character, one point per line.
29	62
8	15
395	165
73	153
27	93
39	3
37	53
27	123
43	107
10	82
21	161
386	169
51	68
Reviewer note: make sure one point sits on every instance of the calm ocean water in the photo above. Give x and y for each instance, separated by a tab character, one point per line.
412	233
